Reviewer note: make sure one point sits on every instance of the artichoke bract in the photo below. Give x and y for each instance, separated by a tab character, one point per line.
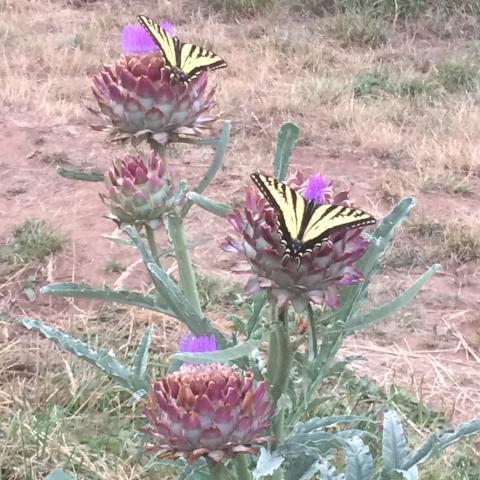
140	101
209	410
140	192
314	278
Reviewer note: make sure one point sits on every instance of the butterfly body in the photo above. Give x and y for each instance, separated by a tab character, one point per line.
184	60
304	224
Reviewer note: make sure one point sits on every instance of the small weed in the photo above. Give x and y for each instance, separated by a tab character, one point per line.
114	266
214	291
361	29
55	158
461	76
461	240
447	181
32	240
371	84
239	8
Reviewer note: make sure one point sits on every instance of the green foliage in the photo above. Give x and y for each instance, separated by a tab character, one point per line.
32	240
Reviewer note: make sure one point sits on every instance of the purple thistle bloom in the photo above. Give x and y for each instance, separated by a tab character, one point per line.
316	187
135	39
206	343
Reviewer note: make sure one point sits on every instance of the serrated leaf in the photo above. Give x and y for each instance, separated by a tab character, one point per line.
213	206
359	460
197	471
394	443
221	146
125	297
101	359
434	444
140	359
385	311
267	463
287	136
83	175
220	150
177	301
259	302
58	474
220	356
412	474
368	264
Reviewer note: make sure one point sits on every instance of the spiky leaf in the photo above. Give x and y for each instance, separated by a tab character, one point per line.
287	136
359	461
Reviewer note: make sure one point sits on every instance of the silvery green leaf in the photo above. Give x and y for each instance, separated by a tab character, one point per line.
328	472
394	444
140	359
411	474
267	464
197	471
434	444
302	468
221	145
287	136
385	311
259	302
125	297
177	301
220	150
354	296
220	356
359	461
84	175
213	206
101	359
58	474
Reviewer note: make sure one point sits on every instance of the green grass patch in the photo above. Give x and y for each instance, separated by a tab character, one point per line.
32	240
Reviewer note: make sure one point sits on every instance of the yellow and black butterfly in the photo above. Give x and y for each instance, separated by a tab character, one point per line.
304	224
185	61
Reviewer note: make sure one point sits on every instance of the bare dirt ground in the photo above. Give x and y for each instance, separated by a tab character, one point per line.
381	147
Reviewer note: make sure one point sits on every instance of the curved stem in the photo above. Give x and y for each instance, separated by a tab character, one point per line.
241	466
152	243
188	282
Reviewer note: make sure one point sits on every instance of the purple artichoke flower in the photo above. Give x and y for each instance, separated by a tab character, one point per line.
207	410
139	100
135	39
206	343
316	277
140	192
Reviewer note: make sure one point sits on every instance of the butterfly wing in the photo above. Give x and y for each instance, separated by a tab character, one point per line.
170	46
327	219
304	224
195	59
288	204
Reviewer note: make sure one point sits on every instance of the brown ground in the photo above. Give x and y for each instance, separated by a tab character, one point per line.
379	148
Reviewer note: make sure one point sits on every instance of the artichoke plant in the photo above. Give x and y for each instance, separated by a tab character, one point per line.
139	100
140	192
316	277
209	410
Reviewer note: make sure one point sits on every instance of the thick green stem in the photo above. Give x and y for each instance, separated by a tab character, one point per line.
151	242
241	466
279	364
188	283
284	356
272	347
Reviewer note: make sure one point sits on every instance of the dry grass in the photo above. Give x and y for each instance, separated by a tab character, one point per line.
390	104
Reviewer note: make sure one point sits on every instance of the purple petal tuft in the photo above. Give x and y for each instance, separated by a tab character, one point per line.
205	343
135	39
316	187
